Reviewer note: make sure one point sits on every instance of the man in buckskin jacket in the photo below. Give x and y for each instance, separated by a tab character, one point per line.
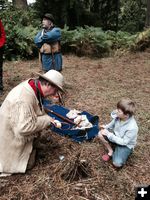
48	42
22	118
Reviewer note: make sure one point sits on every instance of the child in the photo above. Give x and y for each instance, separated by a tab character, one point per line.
122	131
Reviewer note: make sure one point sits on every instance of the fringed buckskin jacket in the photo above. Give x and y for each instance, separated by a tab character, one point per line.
21	119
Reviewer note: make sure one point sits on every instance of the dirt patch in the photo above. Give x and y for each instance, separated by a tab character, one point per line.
94	85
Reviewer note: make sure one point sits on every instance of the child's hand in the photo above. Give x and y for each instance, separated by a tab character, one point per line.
104	132
102	126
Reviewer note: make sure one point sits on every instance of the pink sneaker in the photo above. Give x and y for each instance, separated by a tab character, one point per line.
106	157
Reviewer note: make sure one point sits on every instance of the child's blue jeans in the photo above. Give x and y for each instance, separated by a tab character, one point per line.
120	155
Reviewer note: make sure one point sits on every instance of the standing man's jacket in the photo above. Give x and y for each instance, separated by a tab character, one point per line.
48	43
20	118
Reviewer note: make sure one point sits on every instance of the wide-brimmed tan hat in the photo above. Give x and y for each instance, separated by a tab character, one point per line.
54	77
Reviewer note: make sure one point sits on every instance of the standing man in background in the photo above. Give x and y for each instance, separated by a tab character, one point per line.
2	42
48	42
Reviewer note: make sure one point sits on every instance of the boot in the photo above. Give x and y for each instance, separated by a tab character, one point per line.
31	161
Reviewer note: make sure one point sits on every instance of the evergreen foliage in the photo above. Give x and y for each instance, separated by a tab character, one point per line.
20	27
132	15
125	15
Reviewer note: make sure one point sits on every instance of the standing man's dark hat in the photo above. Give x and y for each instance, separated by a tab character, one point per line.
49	16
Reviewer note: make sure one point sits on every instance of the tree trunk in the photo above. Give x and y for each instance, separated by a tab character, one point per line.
147	23
21	4
117	13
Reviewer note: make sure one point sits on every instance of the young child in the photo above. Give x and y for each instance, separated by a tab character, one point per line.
122	131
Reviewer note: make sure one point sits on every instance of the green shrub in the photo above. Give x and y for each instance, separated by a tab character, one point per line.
86	41
20	27
142	41
94	41
121	40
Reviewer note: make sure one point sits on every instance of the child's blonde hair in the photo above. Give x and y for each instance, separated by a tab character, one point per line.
127	106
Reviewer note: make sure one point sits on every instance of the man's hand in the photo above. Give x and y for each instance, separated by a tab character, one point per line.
57	124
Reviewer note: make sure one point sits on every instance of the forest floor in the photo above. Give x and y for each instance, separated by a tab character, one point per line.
95	85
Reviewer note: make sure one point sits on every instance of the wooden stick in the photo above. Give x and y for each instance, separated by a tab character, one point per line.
60	116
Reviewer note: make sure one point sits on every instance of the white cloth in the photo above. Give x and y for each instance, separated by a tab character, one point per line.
72	114
81	120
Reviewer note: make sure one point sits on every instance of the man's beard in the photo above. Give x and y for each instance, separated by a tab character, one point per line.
44	27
